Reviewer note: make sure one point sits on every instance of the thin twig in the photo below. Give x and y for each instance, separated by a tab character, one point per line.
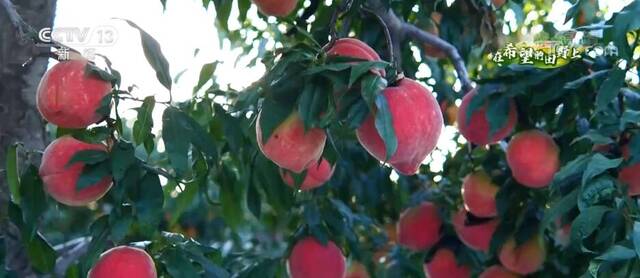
387	35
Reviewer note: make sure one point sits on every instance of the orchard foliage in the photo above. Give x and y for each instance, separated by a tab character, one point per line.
204	197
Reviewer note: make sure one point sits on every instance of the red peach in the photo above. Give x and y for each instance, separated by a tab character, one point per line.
419	227
476	130
124	261
317	175
357	270
354	48
60	179
310	259
444	265
478	236
524	259
417	122
290	146
479	194
630	175
497	271
533	158
69	97
279	8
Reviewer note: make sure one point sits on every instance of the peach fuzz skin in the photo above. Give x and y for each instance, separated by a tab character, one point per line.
533	157
444	265
310	259
419	227
497	271
279	8
479	194
317	175
68	97
477	129
417	122
124	261
289	146
524	259
60	179
478	236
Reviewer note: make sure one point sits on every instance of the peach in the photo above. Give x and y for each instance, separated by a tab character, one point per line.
524	259
310	259
317	174
124	261
444	265
497	271
533	158
68	97
476	129
479	194
290	146
416	120
60	179
355	48
450	112
478	236
419	227
279	8
630	175
357	270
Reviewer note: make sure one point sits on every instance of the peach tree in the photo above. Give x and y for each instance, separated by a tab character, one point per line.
330	164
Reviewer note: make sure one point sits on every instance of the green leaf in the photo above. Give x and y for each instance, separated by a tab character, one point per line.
372	86
629	117
13	173
610	88
598	165
122	157
88	157
92	174
176	140
571	13
361	68
384	126
597	191
206	74
570	172
617	253
223	10
313	101
594	137
580	81
254	202
41	255
636	237
176	264
31	189
497	114
144	122
105	105
243	8
585	224
154	55
562	207
149	200
183	201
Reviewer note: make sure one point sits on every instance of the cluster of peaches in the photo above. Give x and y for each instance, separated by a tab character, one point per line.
69	97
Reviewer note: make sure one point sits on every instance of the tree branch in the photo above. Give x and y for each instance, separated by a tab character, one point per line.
401	30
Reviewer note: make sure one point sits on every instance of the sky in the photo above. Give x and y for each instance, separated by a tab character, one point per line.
186	26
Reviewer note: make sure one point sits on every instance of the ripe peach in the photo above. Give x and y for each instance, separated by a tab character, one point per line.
419	227
357	270
479	194
498	3
630	175
497	271
60	179
124	261
450	112
310	259
533	158
69	97
444	265
317	175
417	122
279	8
524	259
289	146
354	48
478	236
476	130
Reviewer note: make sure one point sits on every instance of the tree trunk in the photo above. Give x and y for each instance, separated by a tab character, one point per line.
19	118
